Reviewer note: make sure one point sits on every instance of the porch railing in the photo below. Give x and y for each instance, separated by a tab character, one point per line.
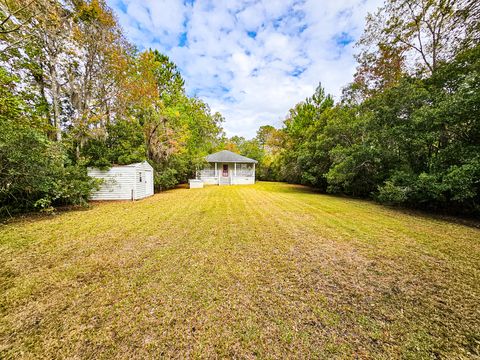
206	173
243	173
231	173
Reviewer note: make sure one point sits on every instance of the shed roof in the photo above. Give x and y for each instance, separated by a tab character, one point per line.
138	165
226	156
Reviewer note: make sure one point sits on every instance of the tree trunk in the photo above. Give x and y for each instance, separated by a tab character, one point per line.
56	102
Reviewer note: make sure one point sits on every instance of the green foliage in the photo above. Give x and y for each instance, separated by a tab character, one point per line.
123	144
102	104
463	182
166	179
355	170
302	160
271	142
35	172
406	131
169	81
415	143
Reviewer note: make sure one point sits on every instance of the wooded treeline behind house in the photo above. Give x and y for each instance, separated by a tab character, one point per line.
74	93
406	131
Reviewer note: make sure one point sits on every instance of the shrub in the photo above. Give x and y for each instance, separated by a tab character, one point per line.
165	179
35	173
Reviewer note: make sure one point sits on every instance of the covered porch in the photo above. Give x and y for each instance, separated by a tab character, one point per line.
227	168
220	173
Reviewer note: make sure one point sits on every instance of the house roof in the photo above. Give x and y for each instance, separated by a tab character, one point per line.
226	156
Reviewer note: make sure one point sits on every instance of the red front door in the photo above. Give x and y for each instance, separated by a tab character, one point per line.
225	170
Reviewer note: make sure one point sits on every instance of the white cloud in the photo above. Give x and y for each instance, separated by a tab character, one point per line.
252	60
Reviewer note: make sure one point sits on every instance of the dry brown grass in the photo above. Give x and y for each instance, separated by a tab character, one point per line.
263	271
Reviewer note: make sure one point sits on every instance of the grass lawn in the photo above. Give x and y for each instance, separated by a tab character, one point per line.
263	271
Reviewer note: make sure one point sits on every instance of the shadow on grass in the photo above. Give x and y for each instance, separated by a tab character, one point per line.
32	216
469	221
274	187
459	219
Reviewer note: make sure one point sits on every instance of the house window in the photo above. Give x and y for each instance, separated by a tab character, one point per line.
140	179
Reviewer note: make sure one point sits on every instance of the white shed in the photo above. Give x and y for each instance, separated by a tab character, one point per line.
124	182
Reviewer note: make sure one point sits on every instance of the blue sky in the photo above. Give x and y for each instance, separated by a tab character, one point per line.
251	60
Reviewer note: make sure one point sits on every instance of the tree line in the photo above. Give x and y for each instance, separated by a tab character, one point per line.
406	130
74	93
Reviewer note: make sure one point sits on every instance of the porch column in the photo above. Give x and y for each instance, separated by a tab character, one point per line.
253	170
215	169
235	164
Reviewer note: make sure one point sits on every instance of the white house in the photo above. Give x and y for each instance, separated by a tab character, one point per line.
227	168
124	182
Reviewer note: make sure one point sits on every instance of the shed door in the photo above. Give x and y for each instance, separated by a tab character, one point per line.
148	182
225	170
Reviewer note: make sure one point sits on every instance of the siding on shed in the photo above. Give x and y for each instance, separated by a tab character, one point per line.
118	183
121	182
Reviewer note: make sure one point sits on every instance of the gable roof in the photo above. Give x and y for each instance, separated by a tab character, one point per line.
226	156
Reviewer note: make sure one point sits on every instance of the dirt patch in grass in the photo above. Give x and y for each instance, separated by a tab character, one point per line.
263	271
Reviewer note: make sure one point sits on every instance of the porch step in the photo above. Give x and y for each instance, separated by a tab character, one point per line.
224	181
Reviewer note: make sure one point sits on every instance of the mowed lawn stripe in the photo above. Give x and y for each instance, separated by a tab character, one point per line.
263	271
415	262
